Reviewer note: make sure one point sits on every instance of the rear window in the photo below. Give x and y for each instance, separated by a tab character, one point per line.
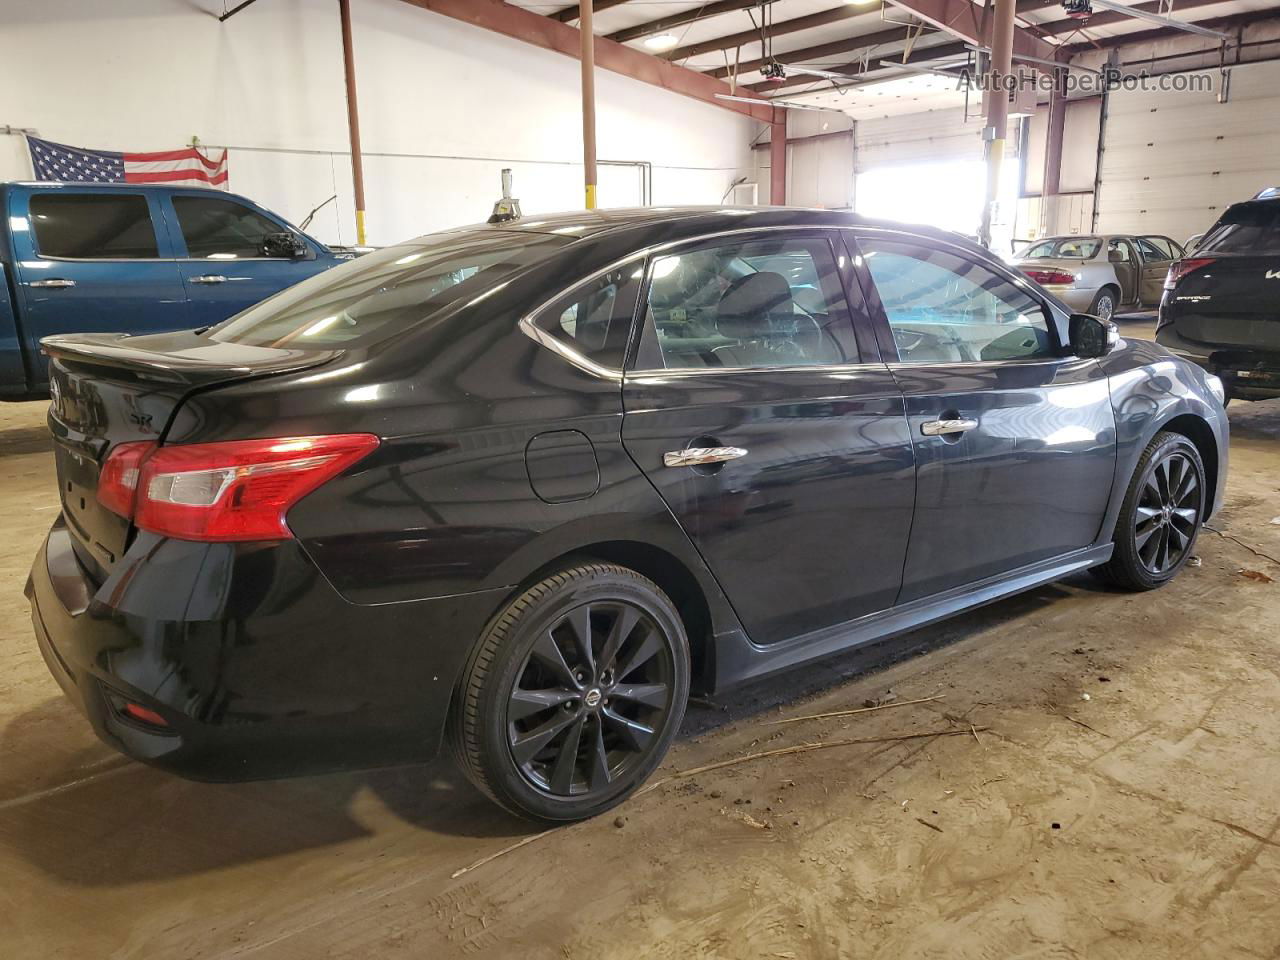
1072	248
388	291
1245	228
93	226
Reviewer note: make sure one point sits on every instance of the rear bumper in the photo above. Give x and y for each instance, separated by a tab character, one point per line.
1247	374
258	667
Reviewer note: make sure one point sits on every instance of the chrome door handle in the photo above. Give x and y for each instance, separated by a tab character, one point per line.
210	278
940	428
53	282
698	456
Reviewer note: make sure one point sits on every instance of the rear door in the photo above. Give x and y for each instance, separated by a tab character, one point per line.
93	260
1014	442
774	435
222	260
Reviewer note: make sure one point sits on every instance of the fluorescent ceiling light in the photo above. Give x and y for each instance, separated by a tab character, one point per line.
663	41
860	3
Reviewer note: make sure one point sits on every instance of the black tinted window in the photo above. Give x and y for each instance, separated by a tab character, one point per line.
93	226
595	319
1245	228
388	291
222	229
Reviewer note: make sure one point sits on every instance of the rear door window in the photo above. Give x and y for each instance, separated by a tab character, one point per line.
1245	228
1151	251
220	229
752	304
93	226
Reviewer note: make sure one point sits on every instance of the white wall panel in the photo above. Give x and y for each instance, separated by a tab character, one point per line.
1173	161
443	107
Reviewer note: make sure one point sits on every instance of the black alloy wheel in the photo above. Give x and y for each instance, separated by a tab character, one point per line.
574	694
1161	515
591	696
1168	512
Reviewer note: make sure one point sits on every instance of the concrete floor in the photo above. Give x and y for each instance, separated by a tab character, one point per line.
1140	822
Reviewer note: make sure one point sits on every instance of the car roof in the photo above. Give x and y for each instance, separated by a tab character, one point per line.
647	225
114	185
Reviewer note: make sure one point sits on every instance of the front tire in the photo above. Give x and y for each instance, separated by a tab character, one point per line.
1160	517
573	694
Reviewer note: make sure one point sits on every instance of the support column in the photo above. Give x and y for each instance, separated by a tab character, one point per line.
778	158
997	108
588	58
1051	184
353	117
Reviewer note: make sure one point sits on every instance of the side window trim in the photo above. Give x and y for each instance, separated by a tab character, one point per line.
645	334
879	315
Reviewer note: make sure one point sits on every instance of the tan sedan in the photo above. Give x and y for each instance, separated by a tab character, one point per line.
1101	274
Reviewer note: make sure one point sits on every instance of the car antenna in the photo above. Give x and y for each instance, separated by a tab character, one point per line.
508	208
307	222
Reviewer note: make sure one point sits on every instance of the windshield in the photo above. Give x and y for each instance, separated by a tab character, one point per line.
1245	228
386	292
1069	248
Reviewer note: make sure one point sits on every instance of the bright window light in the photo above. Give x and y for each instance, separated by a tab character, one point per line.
947	194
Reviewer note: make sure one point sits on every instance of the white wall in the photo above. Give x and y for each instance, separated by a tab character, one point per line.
443	107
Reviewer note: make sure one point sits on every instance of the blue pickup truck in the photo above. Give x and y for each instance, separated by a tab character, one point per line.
133	258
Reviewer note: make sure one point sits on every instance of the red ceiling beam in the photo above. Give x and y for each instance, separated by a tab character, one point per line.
1162	33
549	34
963	19
677	20
732	40
836	47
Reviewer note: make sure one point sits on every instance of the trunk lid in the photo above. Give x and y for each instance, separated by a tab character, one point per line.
1233	301
108	389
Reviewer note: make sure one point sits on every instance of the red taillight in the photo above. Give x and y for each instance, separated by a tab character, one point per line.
234	490
118	481
1181	268
145	715
1055	277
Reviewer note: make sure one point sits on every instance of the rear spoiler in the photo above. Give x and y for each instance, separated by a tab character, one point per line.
204	361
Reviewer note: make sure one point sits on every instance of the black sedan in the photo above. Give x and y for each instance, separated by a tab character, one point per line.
525	486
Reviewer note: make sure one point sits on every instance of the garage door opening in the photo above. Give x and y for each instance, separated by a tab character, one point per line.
947	194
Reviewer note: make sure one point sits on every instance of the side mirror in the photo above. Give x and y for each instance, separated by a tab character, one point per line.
284	244
1092	336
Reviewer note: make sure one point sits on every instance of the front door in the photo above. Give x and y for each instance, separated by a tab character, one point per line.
1014	442
91	260
1156	258
1124	261
225	267
775	437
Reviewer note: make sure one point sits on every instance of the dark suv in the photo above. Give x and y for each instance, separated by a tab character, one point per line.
529	484
1221	307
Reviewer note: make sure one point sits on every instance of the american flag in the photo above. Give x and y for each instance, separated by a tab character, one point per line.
190	167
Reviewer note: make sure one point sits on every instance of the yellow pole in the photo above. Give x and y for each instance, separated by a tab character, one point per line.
588	101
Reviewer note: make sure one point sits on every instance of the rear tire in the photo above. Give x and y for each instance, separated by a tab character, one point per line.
1160	517
1104	304
573	695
